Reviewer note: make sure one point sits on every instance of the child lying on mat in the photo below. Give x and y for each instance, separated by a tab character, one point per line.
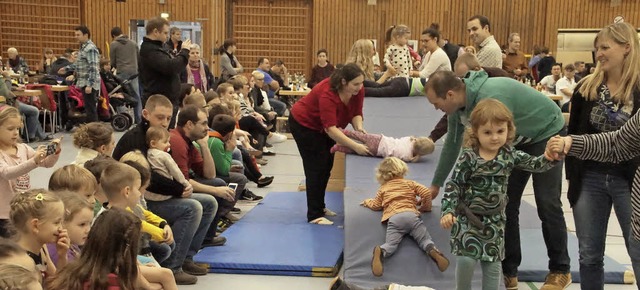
408	149
397	198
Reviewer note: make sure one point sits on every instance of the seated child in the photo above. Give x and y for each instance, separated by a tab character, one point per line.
78	214
121	184
79	180
161	161
408	149
96	166
14	276
475	197
12	253
397	198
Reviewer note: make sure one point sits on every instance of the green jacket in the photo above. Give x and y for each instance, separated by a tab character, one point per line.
537	117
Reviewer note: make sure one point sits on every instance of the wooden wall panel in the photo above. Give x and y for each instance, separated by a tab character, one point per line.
101	15
276	30
31	26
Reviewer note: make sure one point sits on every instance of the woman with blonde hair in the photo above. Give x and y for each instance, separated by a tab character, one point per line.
361	54
603	102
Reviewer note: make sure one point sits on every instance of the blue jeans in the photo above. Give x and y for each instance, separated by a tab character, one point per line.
278	106
161	251
135	93
464	273
189	219
31	113
223	208
591	213
546	188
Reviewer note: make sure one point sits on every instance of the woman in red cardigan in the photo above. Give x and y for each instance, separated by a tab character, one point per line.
315	123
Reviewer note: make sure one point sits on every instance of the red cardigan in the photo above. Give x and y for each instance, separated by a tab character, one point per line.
322	108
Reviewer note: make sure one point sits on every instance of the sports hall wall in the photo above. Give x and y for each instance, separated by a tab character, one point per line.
293	30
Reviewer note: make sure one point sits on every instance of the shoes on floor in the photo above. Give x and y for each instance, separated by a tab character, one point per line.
556	281
250	196
191	268
328	212
376	262
215	242
321	221
236	210
231	217
261	161
439	258
276	138
511	283
267	152
264	181
183	278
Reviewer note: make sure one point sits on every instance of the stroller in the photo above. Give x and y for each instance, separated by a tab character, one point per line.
121	105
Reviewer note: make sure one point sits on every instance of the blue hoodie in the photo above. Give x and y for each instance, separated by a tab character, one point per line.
536	116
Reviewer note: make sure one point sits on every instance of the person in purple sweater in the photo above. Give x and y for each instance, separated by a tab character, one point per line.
322	69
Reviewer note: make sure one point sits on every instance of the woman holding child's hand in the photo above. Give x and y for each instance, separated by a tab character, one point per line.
315	122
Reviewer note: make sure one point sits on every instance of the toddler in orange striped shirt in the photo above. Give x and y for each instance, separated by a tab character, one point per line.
396	197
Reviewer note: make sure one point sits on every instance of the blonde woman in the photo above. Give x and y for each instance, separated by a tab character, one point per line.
361	54
603	102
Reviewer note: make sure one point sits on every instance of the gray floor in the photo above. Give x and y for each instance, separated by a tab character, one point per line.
287	168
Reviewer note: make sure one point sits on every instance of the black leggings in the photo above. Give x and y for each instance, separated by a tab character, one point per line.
251	170
395	87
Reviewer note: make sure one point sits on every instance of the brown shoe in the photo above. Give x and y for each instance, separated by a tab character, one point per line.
556	281
439	258
511	283
183	278
192	268
376	262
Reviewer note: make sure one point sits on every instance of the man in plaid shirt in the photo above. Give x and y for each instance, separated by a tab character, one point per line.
87	71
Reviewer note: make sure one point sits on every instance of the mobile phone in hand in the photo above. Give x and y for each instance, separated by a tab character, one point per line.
52	148
233	185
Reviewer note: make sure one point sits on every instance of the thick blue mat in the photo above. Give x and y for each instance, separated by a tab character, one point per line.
399	117
275	239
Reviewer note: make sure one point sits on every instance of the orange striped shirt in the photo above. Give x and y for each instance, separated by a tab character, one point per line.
398	195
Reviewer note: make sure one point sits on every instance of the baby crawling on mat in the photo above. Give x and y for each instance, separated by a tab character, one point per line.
397	198
408	149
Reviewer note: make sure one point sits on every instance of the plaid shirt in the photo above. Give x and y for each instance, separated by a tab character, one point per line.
490	54
87	66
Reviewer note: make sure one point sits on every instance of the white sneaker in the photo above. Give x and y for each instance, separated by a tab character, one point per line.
276	138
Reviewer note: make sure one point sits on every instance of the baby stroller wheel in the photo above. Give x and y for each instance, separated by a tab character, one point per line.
121	122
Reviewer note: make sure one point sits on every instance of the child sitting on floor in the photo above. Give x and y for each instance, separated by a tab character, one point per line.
397	198
408	149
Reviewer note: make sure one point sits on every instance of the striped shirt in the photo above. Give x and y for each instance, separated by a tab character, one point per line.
398	195
616	147
87	66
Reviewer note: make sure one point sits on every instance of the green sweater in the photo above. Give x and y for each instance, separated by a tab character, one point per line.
221	157
536	116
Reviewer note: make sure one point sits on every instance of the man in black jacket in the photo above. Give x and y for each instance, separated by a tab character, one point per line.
159	71
174	43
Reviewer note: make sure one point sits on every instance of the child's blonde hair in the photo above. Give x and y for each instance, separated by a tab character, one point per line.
29	205
138	157
16	277
73	204
361	54
488	111
423	146
116	177
155	133
396	31
391	168
73	178
7	112
93	135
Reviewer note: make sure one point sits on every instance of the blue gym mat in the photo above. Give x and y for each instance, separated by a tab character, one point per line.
275	239
399	117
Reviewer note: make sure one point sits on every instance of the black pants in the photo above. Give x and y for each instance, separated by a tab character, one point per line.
317	161
4	229
395	87
251	171
91	105
255	128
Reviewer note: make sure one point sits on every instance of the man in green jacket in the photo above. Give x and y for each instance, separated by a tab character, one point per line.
537	118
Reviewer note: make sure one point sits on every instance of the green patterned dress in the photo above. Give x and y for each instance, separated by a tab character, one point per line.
482	186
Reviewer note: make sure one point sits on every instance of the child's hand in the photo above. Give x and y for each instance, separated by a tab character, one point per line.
424	205
447	221
63	243
168	235
363	203
41	154
555	148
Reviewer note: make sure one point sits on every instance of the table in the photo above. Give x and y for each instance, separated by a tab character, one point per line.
27	93
290	97
556	98
59	88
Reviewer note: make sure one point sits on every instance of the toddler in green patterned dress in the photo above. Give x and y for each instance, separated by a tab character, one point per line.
473	206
